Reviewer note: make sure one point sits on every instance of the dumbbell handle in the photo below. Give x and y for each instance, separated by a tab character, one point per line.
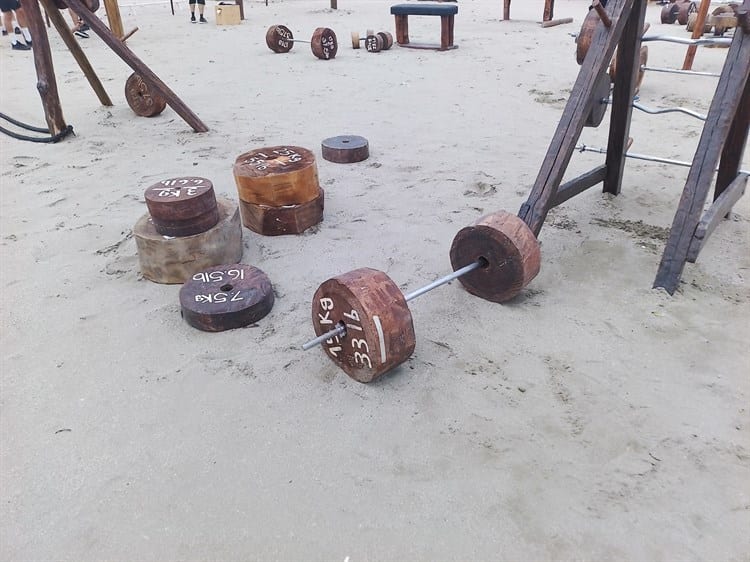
341	329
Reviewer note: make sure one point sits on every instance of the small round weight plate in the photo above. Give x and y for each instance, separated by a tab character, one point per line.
387	39
289	219
345	149
669	13
279	39
182	206
598	109
142	99
277	176
324	44
583	41
226	297
355	40
510	250
166	259
686	8
642	61
374	43
379	330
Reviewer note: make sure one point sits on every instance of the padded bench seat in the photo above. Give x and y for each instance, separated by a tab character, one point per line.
446	13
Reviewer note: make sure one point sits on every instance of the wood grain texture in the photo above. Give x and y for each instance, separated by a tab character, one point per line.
287	219
277	176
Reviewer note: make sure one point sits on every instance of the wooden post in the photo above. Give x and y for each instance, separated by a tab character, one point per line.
124	52
114	19
45	70
549	10
697	34
67	36
334	4
506	9
734	147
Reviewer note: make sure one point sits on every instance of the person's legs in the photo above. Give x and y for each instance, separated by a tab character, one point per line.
23	24
191	3
201	7
7	7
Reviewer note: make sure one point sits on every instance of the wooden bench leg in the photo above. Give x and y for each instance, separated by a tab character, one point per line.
402	29
445	32
549	10
506	9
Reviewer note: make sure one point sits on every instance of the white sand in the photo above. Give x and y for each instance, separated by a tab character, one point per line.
593	418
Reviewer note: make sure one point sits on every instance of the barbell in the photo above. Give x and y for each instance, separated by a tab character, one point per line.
323	43
362	318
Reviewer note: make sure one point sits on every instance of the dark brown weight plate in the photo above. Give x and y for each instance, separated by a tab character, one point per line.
374	43
669	13
182	206
288	219
510	250
686	8
141	98
387	39
583	41
279	39
642	61
226	297
277	176
379	328
324	44
345	149
598	109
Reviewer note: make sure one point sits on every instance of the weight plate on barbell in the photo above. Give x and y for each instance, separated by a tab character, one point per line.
182	206
324	44
642	61
583	41
279	39
287	219
379	329
508	250
141	98
598	110
345	149
387	39
226	297
374	43
669	13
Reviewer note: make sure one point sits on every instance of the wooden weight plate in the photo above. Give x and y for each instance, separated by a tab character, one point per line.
510	250
182	206
387	39
324	44
345	149
598	109
583	41
165	259
374	43
355	40
642	61
686	8
226	297
669	13
379	328
277	176
279	39
692	18
289	219
142	99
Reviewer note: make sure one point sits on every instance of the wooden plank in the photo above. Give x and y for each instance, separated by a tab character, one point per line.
711	219
700	21
603	44
578	185
628	68
734	147
45	70
721	114
124	52
113	17
74	47
553	23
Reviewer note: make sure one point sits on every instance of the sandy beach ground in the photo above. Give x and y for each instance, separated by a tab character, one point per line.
592	418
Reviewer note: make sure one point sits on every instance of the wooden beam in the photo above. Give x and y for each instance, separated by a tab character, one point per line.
45	70
114	18
124	52
734	147
62	28
578	185
721	115
711	219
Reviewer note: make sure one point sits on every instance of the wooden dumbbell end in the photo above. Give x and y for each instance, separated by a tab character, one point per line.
182	206
277	176
379	332
355	40
583	41
345	149
279	39
288	219
387	39
508	250
324	44
141	98
226	297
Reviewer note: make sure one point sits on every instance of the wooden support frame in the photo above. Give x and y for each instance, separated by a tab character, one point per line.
547	15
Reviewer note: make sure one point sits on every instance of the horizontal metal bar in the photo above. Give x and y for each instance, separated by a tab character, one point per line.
682	41
679	71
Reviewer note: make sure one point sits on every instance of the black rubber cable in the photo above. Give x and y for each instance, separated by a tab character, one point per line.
68	130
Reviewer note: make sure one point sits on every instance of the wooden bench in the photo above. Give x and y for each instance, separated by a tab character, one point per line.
446	13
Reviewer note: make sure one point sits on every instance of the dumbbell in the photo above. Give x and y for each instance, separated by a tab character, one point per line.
362	317
323	43
374	42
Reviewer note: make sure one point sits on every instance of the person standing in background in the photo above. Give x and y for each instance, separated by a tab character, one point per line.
8	7
201	7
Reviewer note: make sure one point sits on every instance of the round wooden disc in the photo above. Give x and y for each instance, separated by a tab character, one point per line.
686	8
289	219
355	40
165	259
598	105
583	41
182	206
277	176
226	297
374	43
642	61
345	149
387	39
279	39
379	328
510	250
142	99
324	44
692	19
669	13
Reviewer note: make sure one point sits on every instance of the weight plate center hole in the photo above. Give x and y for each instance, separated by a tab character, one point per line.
345	141
483	262
226	288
